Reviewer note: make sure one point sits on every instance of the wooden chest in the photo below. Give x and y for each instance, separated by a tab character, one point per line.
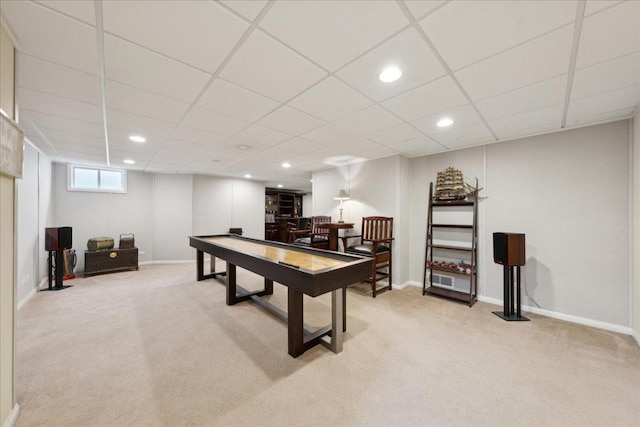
110	260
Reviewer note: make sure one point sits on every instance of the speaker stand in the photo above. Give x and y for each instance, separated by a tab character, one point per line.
508	312
59	271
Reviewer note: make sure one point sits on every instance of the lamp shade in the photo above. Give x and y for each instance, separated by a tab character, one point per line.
342	195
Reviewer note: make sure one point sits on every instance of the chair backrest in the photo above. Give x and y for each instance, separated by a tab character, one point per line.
316	224
377	228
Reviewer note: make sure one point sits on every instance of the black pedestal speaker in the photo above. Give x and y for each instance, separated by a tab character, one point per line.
509	251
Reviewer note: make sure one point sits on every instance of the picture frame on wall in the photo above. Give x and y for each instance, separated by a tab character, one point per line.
11	146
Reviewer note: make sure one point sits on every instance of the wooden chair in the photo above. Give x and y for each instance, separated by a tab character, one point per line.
300	228
376	242
317	237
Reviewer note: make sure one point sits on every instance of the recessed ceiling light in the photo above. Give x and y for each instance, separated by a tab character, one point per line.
137	138
247	175
129	162
310	180
279	185
286	165
243	147
390	74
443	123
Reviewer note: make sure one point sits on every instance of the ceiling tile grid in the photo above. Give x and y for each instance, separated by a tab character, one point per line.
298	80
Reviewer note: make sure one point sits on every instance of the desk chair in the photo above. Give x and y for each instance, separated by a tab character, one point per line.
375	242
317	237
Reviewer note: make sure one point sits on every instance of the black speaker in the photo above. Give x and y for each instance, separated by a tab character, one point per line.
57	238
508	248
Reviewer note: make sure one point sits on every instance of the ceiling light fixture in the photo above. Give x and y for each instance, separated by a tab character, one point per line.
247	175
390	74
443	123
137	138
279	185
129	162
286	165
243	147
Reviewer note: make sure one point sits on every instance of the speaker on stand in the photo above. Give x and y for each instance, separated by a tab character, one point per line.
56	241
508	251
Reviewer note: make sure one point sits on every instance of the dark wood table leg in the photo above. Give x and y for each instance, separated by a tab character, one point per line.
333	239
295	323
231	284
268	286
200	265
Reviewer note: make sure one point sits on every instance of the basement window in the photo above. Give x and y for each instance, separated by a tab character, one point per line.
84	178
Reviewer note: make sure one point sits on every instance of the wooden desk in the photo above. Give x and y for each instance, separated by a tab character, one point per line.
333	232
303	270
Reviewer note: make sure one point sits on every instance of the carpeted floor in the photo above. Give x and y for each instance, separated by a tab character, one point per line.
157	348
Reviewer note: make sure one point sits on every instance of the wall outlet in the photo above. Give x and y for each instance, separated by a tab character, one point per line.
141	252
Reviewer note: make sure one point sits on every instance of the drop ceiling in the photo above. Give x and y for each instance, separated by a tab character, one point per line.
297	81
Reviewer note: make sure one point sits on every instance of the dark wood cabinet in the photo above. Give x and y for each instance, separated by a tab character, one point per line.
451	250
110	260
282	207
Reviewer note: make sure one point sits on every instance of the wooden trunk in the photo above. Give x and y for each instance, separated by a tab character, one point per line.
110	260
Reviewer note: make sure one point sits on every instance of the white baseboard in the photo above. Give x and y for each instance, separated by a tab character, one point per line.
561	316
182	261
13	416
566	317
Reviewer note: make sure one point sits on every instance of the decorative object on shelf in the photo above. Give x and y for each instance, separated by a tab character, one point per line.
342	196
450	185
98	243
127	241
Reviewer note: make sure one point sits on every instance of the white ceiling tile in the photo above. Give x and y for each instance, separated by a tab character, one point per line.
348	28
609	34
329	135
396	134
83	10
118	155
247	8
330	100
595	6
528	123
210	121
370	120
260	136
464	137
54	79
379	152
439	95
356	146
136	66
607	76
58	136
200	34
138	124
56	105
136	101
291	121
270	68
419	147
485	28
408	52
197	136
600	117
51	121
80	158
299	145
54	38
462	117
532	62
420	8
621	99
148	148
528	98
228	98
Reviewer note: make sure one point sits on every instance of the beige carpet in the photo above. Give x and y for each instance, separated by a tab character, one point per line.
157	348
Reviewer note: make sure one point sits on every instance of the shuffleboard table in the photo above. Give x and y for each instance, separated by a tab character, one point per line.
305	271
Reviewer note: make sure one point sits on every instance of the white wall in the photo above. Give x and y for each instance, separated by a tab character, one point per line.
223	203
161	210
635	310
568	192
33	198
374	187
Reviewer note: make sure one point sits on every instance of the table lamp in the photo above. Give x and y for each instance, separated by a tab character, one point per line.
342	196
